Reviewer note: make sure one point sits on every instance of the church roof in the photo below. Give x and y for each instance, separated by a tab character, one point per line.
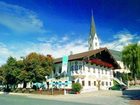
92	28
102	53
92	34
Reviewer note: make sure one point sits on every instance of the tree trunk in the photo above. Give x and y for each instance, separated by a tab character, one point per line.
135	79
7	86
24	84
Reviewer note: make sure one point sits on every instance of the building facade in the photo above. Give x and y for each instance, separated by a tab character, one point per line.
92	69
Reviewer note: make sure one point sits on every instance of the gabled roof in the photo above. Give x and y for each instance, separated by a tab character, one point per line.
105	57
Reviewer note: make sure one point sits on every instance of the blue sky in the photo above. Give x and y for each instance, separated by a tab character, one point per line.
59	26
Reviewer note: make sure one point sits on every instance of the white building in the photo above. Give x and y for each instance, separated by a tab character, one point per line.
92	69
123	68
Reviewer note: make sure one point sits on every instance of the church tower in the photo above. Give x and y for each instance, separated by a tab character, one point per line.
93	41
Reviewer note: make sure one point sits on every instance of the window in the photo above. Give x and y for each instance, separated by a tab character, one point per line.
80	66
54	71
98	71
102	83
66	83
110	83
59	69
83	83
76	67
89	83
84	66
88	68
93	70
110	72
102	71
72	68
106	83
94	83
105	71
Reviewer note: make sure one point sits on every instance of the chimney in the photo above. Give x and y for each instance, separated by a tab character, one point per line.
71	53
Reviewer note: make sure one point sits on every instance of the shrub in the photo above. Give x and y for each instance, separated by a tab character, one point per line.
6	89
31	90
16	90
76	87
23	90
115	82
34	87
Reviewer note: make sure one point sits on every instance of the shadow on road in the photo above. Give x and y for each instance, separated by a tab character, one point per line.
133	94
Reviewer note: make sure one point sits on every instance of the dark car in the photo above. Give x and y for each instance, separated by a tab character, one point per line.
118	87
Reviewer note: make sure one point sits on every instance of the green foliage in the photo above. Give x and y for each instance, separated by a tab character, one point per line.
10	71
38	66
130	78
124	78
1	76
115	82
31	90
23	90
131	59
33	68
76	87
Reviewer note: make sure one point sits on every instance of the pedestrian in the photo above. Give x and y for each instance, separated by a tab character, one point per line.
40	90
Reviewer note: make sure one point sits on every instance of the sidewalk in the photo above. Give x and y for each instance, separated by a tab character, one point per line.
69	96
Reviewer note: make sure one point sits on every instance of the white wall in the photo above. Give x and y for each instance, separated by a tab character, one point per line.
87	72
123	68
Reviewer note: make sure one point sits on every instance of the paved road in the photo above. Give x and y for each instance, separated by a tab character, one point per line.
20	100
133	93
94	98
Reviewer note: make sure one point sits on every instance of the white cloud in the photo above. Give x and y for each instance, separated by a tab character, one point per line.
56	48
139	42
4	53
19	19
120	40
65	38
53	47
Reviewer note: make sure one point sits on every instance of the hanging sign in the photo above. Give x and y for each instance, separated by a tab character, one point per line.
64	63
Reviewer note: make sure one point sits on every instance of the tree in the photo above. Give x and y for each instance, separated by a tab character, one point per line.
10	72
33	68
36	67
131	59
1	76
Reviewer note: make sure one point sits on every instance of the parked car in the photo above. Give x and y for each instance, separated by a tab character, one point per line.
118	87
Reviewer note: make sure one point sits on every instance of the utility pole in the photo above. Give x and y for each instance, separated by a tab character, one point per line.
52	83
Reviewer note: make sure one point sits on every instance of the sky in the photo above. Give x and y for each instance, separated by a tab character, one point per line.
58	27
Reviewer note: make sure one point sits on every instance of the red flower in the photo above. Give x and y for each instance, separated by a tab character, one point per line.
100	62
